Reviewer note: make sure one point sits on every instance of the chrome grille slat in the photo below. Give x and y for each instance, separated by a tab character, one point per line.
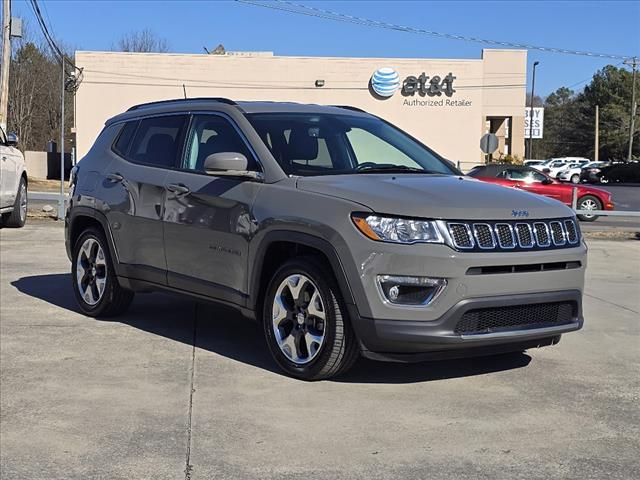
572	231
541	231
461	235
504	233
509	236
524	233
484	235
557	233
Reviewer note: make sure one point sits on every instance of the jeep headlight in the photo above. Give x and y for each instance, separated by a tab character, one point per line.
397	230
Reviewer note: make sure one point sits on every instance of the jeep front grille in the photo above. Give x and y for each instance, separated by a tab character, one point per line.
513	235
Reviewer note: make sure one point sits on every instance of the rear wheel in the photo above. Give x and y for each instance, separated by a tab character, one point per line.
305	322
18	216
94	280
589	202
575	178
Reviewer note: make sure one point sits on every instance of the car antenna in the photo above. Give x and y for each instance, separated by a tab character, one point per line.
184	90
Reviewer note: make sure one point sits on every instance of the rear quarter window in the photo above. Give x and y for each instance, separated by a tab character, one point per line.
122	143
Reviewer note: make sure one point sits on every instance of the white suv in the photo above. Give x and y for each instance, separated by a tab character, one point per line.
13	182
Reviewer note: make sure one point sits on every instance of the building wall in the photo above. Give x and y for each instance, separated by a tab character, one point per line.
36	164
491	86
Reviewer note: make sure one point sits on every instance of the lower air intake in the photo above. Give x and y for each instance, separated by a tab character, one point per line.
538	315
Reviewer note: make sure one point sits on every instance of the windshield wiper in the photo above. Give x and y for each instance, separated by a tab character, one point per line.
391	169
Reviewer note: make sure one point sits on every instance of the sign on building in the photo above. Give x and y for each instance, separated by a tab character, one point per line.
537	122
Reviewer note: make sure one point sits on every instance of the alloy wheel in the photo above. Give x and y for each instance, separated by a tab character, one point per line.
91	271
299	319
588	204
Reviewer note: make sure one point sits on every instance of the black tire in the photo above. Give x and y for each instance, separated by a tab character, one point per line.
589	199
18	217
115	300
575	178
340	348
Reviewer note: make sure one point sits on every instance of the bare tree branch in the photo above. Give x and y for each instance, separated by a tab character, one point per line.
142	41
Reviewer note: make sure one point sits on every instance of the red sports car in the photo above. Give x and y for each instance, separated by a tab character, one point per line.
531	180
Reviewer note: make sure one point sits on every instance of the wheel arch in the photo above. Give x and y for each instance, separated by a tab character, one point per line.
279	246
82	218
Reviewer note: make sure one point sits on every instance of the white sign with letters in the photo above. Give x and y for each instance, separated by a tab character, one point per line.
537	122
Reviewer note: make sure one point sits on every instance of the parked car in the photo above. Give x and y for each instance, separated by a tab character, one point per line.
574	171
530	180
338	232
617	173
531	163
553	166
548	164
555	172
13	182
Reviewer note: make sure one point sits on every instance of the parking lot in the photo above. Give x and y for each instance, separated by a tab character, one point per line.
178	389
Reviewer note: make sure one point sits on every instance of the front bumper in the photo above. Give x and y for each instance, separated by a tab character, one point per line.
402	340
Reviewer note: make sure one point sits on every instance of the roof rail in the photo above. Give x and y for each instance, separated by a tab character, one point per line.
349	107
180	100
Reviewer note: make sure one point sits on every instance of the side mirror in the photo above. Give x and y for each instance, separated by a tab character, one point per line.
12	140
225	161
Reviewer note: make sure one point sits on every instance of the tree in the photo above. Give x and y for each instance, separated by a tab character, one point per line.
538	101
142	41
34	95
569	118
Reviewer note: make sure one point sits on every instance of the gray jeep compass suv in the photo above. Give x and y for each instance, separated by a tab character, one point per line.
342	235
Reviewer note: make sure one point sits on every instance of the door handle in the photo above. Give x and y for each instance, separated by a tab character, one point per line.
178	189
115	177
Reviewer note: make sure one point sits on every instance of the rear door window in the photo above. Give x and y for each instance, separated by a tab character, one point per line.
158	141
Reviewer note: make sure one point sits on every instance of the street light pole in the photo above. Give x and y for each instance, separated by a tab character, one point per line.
632	123
533	87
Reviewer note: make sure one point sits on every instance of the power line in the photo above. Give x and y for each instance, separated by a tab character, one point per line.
72	82
589	78
249	85
300	9
47	35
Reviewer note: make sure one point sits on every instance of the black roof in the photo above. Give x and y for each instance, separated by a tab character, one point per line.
219	103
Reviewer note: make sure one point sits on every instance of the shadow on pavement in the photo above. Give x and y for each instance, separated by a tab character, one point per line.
224	331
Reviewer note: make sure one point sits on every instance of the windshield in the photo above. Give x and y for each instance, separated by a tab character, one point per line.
327	144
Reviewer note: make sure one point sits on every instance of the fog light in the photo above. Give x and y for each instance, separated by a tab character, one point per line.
414	291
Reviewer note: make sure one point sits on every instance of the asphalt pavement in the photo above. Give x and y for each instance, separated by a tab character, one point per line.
177	389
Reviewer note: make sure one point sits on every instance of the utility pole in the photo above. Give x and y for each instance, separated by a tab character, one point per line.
632	124
6	62
61	199
596	147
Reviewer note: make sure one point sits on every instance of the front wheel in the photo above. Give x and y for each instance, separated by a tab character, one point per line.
94	280
305	322
589	202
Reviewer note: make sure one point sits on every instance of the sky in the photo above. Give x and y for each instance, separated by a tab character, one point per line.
611	27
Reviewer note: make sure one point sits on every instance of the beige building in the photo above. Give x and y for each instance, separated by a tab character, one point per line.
447	104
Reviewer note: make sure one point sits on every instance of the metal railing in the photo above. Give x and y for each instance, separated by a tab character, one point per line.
608	213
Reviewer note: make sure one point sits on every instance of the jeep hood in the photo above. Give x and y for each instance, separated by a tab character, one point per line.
434	196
